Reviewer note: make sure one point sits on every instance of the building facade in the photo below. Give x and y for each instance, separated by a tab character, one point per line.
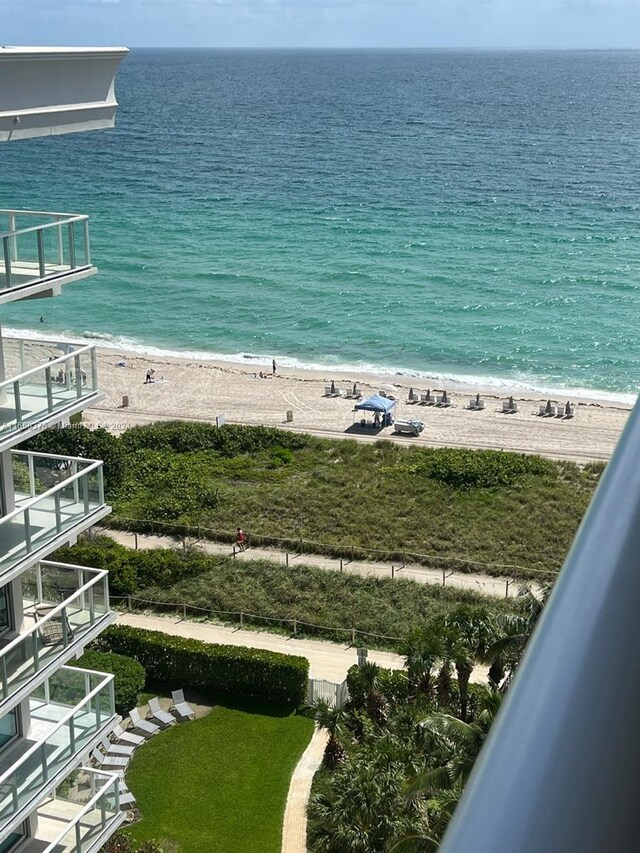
51	715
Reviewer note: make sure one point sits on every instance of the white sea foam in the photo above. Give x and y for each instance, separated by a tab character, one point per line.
124	345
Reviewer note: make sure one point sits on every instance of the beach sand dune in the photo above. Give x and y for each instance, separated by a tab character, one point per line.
187	389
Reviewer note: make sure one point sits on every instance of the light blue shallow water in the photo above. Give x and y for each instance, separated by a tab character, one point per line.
456	214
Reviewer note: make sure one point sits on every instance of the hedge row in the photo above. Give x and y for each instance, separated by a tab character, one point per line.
180	662
129	676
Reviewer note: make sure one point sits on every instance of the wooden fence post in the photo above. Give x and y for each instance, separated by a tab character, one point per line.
234	552
295	626
301	546
444	577
341	567
286	558
393	571
135	540
129	603
506	589
184	612
242	619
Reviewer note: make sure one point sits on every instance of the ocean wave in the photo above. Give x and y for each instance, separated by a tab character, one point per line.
436	379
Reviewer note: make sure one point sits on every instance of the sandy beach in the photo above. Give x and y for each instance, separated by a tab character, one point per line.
204	390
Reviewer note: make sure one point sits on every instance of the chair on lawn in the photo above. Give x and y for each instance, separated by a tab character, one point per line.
109	760
127	737
180	707
116	749
125	797
156	713
142	725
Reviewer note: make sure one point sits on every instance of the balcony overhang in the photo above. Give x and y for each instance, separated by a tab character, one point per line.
46	91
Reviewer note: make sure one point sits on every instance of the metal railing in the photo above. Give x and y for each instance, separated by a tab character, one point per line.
64	624
559	771
47	388
50	245
55	754
97	817
57	491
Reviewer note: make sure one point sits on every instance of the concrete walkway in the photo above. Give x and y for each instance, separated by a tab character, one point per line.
329	661
483	584
294	827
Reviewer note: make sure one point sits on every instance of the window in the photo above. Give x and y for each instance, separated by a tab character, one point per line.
9	730
13	839
5	614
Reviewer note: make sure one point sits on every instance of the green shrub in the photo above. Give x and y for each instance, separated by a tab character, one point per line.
129	570
129	676
228	440
77	440
182	662
481	469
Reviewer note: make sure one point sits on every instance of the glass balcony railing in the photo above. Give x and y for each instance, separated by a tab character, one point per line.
95	821
69	712
53	495
38	246
43	378
69	605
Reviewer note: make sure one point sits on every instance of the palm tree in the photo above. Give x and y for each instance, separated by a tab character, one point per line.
333	720
375	701
515	629
422	650
468	634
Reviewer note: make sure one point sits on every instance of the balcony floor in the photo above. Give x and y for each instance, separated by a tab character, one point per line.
33	402
54	815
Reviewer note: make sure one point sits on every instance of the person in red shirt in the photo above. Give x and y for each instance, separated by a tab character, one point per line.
241	539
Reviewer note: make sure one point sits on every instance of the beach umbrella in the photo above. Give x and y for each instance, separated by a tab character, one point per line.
567	408
511	402
549	409
445	398
411	393
355	389
333	387
477	399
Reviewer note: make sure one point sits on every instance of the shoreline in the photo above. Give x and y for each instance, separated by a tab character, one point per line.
370	373
201	390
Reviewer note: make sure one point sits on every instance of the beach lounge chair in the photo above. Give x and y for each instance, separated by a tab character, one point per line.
509	407
116	749
180	707
413	397
444	400
475	404
156	713
107	760
125	797
137	723
327	390
569	410
542	409
127	737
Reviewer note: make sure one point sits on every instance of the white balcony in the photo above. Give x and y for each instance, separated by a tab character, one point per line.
69	713
46	91
44	383
65	607
56	497
81	822
41	251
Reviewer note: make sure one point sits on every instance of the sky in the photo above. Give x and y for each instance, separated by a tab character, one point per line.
323	23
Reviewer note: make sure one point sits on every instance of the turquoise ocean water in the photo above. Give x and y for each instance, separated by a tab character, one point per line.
448	214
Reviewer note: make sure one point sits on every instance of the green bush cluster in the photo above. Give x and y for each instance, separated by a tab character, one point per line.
129	676
481	469
182	662
130	571
77	440
228	440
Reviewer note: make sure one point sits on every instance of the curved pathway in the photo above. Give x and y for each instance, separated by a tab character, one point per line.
294	827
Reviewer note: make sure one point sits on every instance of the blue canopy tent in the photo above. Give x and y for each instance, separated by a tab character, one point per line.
380	406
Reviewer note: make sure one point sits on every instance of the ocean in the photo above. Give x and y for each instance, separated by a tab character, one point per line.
447	214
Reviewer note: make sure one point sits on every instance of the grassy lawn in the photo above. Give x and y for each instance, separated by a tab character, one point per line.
220	784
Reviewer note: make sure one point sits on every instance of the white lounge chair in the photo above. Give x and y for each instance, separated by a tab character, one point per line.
116	749
327	391
125	796
127	737
569	410
509	407
180	707
156	713
142	725
109	760
476	404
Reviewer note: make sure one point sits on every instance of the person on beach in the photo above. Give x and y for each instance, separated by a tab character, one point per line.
241	539
149	377
273	365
